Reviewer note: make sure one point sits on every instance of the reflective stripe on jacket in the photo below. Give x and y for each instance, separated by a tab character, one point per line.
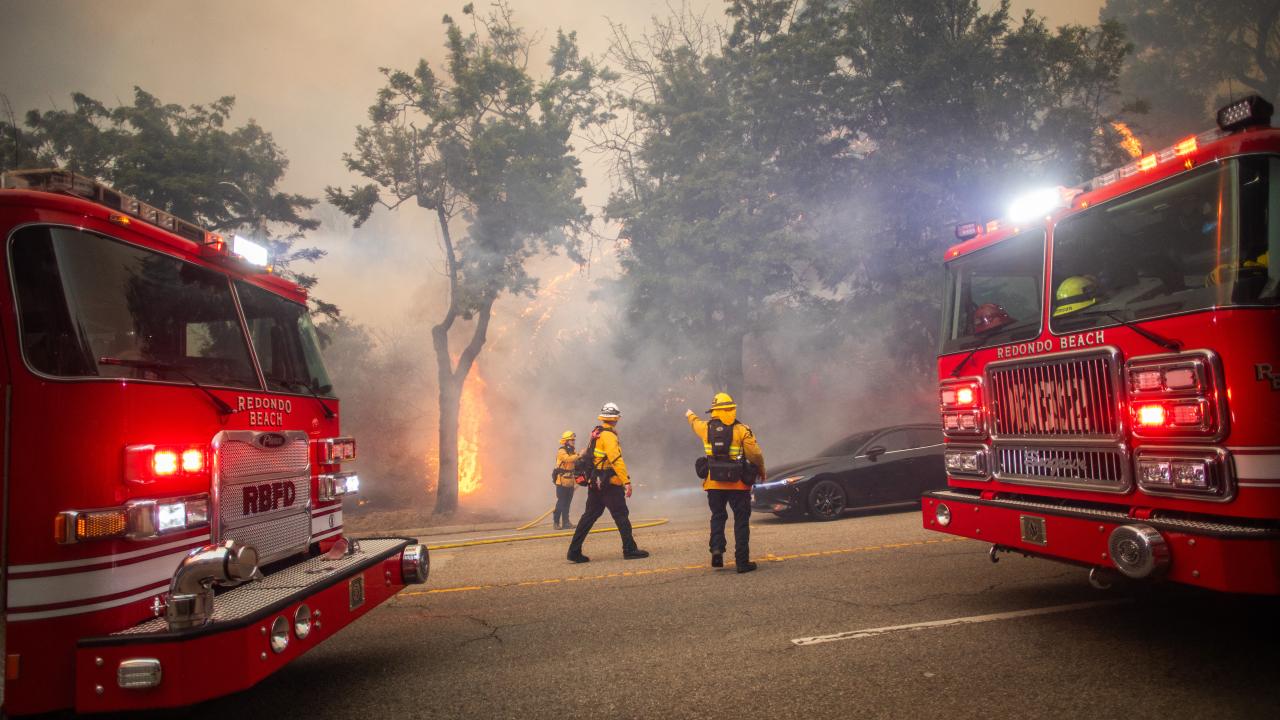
564	461
608	456
743	444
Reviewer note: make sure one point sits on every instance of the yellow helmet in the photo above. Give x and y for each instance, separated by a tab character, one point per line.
1075	293
722	401
1249	268
567	435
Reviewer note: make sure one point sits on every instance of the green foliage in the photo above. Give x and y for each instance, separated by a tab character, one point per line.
815	155
957	110
185	160
1192	56
485	145
732	152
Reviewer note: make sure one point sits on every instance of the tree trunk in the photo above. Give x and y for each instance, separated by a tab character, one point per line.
447	469
451	380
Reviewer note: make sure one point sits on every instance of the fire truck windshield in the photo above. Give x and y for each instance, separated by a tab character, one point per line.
92	306
993	295
1197	241
285	342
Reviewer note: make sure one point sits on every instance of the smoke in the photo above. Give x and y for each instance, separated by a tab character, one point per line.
552	359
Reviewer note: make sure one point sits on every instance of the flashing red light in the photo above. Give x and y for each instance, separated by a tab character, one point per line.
164	463
1151	415
1186	147
964	396
1147	163
192	460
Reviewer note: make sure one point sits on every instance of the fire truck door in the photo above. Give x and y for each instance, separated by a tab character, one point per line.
7	399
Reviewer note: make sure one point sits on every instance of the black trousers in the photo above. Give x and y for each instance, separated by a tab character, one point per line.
614	498
740	501
564	496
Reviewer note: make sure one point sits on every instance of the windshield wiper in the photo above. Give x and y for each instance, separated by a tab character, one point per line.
983	341
329	414
158	366
1162	341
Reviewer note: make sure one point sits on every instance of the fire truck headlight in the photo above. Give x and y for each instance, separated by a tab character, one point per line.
943	514
171	516
1190	474
1154	472
302	622
279	635
197	512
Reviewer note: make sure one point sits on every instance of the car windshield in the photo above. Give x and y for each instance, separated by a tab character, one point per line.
1197	241
848	446
993	295
83	298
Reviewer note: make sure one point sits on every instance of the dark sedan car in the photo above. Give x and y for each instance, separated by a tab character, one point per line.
889	466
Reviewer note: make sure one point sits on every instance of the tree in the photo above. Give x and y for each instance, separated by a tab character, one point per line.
1192	56
184	160
813	157
730	142
486	147
956	109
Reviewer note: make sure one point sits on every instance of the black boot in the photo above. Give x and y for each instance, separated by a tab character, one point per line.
717	559
577	557
747	566
635	554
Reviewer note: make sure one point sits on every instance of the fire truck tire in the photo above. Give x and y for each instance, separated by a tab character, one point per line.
827	500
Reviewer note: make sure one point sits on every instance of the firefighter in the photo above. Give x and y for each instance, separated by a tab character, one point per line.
1075	293
733	463
562	478
989	317
609	487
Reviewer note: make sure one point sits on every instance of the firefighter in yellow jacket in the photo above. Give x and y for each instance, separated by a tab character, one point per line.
733	462
562	478
608	487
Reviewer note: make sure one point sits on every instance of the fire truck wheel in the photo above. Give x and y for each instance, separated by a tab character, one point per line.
827	500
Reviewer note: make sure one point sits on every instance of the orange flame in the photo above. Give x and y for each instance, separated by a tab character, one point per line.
473	416
1128	141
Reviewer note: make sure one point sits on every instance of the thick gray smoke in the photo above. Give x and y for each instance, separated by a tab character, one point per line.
551	361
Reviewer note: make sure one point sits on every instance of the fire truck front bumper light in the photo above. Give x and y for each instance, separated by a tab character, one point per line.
943	514
139	673
415	564
1139	551
302	621
279	635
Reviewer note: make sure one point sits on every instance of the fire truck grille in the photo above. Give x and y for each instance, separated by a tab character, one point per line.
1071	397
264	493
1103	469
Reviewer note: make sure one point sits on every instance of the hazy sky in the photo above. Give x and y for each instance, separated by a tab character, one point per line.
306	70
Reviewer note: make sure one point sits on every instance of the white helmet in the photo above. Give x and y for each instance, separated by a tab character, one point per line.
610	411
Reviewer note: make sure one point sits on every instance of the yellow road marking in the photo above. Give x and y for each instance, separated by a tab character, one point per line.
543	536
770	557
537	520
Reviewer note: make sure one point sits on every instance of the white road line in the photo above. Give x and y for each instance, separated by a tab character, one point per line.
872	632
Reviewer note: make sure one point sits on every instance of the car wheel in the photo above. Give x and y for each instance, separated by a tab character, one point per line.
827	500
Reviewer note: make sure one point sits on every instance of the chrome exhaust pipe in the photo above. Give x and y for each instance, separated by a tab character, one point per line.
190	601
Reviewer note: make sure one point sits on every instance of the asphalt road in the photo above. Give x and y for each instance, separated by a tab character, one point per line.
515	631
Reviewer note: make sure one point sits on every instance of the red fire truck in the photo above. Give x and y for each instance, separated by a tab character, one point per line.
173	471
1110	368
